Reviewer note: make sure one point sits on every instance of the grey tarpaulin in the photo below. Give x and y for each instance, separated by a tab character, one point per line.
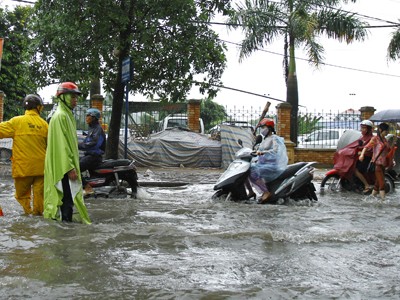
229	142
174	148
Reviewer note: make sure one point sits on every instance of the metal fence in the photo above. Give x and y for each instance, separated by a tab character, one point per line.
324	129
316	129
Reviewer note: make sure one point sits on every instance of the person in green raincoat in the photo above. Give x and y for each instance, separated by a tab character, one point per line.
62	176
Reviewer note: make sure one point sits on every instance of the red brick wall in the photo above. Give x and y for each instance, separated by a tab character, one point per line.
193	113
321	156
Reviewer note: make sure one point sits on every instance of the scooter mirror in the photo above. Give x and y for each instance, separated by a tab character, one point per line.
258	139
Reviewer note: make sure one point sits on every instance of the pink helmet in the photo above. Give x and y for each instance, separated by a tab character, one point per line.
68	87
267	122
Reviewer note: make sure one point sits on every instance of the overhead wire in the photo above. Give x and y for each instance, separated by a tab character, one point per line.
392	25
322	63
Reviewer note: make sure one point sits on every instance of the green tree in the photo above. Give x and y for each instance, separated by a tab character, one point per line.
212	113
299	23
394	46
15	79
168	41
307	123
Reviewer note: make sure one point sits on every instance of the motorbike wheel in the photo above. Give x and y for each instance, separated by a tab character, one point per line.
239	193
126	180
219	194
389	184
311	192
5	155
331	183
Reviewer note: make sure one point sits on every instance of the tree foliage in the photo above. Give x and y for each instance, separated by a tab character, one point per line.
394	46
15	79
299	23
168	41
212	113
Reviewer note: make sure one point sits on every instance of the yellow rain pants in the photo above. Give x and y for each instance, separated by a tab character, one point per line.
23	188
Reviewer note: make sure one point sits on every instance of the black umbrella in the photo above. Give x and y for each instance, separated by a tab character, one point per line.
388	115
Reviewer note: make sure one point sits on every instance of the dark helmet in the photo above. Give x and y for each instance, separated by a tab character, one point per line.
32	101
267	122
68	87
383	126
94	112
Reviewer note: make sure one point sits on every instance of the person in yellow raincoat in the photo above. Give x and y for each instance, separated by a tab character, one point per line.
62	176
29	134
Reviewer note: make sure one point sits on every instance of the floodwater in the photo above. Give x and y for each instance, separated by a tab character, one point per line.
176	243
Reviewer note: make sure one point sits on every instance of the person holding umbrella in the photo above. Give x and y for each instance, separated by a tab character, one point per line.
380	148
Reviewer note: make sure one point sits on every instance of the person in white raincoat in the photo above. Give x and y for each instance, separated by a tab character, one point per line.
272	159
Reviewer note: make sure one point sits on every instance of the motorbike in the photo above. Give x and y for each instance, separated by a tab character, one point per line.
114	178
339	179
294	183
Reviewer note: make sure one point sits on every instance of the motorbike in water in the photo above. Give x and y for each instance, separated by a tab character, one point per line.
342	177
113	178
334	181
294	183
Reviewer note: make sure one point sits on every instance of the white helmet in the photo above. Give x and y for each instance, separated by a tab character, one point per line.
367	123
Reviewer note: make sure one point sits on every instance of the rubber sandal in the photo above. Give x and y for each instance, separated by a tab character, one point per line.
367	191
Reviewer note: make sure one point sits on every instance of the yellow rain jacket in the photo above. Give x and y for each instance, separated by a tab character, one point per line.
29	134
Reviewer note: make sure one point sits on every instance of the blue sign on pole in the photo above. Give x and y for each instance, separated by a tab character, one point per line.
126	70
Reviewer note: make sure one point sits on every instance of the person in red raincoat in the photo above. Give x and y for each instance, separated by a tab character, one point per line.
346	159
361	166
380	147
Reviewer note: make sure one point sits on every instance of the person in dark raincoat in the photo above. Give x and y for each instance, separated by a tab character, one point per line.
93	146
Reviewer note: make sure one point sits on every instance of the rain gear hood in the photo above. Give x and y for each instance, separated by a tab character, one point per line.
62	156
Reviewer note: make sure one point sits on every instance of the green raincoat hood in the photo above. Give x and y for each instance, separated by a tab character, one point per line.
62	156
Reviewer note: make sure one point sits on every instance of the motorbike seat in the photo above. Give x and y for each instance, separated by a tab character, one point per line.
291	170
110	163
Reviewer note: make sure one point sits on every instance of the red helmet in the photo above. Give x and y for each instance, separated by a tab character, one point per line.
68	87
267	122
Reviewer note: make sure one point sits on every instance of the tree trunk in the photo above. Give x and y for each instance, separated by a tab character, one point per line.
116	114
292	92
94	87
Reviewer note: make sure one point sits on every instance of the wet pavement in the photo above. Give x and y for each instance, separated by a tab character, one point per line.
177	243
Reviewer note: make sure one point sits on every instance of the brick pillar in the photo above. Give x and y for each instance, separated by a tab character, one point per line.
366	112
1	105
282	127
96	101
193	113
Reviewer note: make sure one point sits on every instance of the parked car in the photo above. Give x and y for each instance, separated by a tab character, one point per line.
322	138
177	120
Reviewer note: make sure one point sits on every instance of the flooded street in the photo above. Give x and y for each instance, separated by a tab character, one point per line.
177	243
